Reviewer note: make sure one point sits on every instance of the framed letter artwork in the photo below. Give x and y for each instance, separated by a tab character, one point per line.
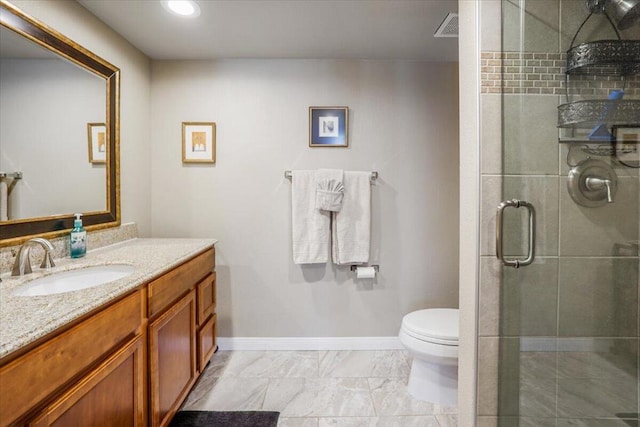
328	126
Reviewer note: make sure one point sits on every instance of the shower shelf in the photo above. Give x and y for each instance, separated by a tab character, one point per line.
586	114
605	58
577	119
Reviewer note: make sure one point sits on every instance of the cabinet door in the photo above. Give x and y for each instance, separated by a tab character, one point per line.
111	395
172	358
206	342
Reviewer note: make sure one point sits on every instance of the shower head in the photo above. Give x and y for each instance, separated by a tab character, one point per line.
625	13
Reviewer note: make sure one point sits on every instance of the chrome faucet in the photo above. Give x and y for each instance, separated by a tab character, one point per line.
22	264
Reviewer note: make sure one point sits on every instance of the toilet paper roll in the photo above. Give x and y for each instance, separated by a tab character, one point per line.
365	272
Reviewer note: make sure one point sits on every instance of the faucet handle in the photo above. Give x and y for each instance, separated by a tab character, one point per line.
595	184
47	261
23	262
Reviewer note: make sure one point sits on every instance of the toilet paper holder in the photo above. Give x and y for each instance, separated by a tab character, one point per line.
354	267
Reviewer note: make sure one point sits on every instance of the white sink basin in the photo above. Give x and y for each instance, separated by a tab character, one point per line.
74	280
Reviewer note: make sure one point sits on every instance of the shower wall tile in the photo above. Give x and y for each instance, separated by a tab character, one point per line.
596	231
598	297
601	359
491	196
542	192
538	398
529	299
537	384
489	296
488	421
540	20
515	422
536	422
582	398
490	21
491	155
538	365
529	148
596	422
509	371
488	354
572	154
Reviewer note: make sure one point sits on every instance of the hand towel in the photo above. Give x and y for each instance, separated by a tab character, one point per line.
310	226
329	190
351	227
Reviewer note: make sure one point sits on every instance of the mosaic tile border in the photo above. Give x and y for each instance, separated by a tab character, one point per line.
540	73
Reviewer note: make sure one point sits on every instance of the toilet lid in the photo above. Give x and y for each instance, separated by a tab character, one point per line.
438	323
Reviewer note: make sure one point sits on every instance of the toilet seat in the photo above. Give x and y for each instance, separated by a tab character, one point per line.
435	325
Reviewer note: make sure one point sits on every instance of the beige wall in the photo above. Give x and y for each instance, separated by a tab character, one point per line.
403	124
75	22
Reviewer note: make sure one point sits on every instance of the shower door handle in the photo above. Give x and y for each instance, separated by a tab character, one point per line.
515	263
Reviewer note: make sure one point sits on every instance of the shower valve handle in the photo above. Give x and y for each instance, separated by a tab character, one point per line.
596	184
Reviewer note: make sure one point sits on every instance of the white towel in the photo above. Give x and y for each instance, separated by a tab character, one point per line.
329	190
351	227
310	226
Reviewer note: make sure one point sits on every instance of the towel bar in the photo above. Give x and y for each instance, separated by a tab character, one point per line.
374	175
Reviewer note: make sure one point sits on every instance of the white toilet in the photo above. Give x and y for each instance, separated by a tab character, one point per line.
431	336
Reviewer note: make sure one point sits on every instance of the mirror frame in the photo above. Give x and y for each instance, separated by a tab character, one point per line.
16	231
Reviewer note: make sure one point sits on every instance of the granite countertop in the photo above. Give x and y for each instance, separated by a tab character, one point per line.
24	319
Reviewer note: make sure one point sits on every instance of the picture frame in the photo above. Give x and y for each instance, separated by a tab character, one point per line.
329	127
198	142
97	137
627	145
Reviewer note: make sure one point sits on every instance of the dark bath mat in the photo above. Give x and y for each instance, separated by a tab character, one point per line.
225	419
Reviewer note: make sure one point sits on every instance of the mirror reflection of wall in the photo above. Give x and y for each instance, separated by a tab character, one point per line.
46	104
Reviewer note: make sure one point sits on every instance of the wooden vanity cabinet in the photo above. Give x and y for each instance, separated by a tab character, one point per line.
131	363
176	336
78	371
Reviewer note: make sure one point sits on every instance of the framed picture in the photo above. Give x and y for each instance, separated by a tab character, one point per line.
627	145
198	142
328	126
97	134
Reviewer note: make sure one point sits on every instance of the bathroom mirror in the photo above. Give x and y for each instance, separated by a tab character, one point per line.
60	110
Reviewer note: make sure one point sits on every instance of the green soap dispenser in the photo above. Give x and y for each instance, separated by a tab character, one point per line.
78	238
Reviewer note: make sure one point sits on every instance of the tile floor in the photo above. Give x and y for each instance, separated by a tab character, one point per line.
317	389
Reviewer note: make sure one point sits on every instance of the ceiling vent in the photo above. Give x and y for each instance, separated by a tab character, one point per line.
449	27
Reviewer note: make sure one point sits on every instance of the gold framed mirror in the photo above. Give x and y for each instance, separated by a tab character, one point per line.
104	215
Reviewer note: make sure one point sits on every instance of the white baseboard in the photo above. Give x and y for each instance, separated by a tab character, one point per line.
309	343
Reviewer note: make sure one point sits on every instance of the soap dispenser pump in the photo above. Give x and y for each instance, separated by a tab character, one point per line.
78	238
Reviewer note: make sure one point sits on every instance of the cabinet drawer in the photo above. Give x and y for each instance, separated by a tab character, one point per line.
206	298
170	287
206	342
65	356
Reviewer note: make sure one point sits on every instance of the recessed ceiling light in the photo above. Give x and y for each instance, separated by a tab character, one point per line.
184	8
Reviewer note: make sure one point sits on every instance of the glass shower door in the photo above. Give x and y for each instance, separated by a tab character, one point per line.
568	324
